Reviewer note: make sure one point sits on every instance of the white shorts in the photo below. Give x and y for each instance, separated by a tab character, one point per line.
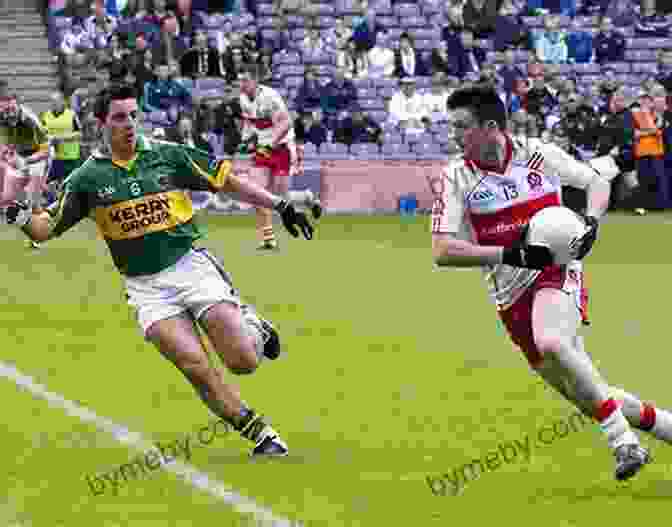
194	284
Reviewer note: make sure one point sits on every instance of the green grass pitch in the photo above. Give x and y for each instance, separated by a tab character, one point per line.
393	372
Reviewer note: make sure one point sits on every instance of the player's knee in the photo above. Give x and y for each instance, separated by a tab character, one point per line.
197	371
551	344
243	365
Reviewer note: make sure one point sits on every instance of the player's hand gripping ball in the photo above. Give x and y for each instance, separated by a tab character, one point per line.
566	234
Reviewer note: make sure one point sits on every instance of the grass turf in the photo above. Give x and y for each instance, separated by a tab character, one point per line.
394	372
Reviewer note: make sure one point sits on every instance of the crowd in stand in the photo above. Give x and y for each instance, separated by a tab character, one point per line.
336	71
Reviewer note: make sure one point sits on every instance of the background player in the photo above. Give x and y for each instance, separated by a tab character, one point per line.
268	129
137	190
483	204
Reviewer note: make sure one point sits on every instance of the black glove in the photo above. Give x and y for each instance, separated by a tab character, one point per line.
520	254
587	240
291	219
18	213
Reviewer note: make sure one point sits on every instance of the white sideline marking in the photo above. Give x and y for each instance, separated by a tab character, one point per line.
191	475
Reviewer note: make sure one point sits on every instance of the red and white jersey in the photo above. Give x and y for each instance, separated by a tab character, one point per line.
490	208
258	115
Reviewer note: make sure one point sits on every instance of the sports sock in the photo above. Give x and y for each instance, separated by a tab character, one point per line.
249	423
645	416
265	225
614	425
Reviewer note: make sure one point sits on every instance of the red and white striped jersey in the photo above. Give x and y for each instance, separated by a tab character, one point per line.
258	114
490	208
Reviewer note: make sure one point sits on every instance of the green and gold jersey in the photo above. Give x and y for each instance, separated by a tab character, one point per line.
142	209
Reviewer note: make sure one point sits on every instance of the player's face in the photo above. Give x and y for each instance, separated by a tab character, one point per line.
248	85
121	124
479	142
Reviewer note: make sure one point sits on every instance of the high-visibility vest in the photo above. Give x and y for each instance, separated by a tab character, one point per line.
61	125
650	145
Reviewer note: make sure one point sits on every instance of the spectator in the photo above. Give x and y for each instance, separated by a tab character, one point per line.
509	72
407	107
480	16
609	44
550	45
162	93
510	30
467	58
285	8
200	61
490	76
540	102
435	99
309	129
408	61
310	93
518	98
354	61
579	44
282	41
440	60
169	46
381	57
338	95
582	124
78	9
224	37
648	152
454	14
664	76
100	26
144	72
364	29
266	66
77	42
313	44
62	128
615	136
358	128
116	59
251	40
234	63
651	24
338	36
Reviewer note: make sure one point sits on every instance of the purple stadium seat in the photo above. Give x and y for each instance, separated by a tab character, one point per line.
324	69
386	92
210	83
424	44
623	78
310	150
387	21
533	21
564	69
61	22
325	9
265	10
414	21
157	117
394	33
291	69
428	150
379	116
365	150
419	138
367	93
386	83
618	67
640	55
326	22
361	83
346	7
293	81
397	151
587	21
392	137
423	82
587	69
371	105
295	21
299	34
522	55
334	150
265	22
645	67
430	8
406	10
491	56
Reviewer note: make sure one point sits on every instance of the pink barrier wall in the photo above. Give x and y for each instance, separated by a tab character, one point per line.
376	185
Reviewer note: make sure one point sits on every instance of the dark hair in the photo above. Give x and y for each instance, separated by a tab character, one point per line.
251	69
406	36
483	101
114	92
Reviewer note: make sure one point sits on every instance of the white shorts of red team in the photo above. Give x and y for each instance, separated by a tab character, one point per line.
517	317
191	286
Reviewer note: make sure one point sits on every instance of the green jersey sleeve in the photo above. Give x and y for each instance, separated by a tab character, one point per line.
72	206
199	171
